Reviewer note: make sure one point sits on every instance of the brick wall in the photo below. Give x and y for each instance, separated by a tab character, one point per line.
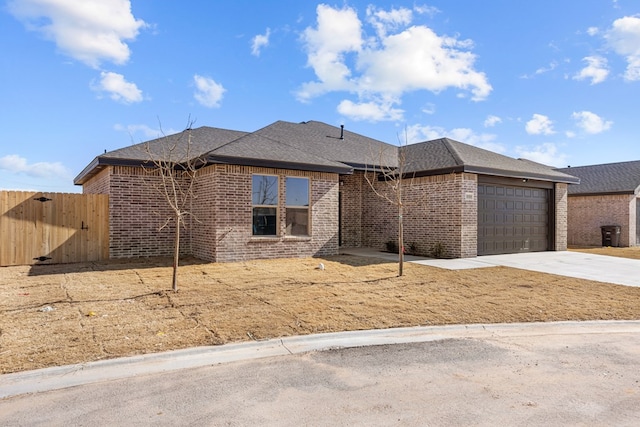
561	206
223	230
586	214
438	211
351	209
98	184
137	213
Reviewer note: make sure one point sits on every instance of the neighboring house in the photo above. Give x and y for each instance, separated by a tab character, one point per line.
608	195
299	189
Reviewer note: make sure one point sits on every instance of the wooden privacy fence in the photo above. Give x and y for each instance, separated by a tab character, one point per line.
51	228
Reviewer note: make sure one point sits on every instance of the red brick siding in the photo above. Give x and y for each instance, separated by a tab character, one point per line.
136	213
586	214
561	217
99	183
351	210
437	210
223	208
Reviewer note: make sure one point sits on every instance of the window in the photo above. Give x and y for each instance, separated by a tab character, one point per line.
297	206
265	205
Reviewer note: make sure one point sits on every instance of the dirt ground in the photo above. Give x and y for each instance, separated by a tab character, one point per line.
62	314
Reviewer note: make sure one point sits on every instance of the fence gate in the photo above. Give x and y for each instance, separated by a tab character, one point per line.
51	228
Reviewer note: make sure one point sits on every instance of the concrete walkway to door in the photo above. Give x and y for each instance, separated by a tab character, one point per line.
601	268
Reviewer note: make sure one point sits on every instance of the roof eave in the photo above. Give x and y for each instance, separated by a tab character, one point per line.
520	175
280	164
100	162
603	193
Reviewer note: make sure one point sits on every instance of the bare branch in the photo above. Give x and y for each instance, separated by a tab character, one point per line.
392	179
171	159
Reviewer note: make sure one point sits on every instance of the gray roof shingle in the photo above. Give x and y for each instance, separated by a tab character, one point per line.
610	178
254	149
445	155
316	146
323	140
203	140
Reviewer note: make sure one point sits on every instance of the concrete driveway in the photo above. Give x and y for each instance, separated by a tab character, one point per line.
583	373
620	271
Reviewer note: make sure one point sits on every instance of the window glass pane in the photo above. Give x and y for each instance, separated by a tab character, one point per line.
264	221
298	221
265	190
297	191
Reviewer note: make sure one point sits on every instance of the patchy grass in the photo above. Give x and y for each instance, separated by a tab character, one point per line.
633	252
106	310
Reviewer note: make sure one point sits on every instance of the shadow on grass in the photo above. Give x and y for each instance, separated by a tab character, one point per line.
358	260
111	265
160	262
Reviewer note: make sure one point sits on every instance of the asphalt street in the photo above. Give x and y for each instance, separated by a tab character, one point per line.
584	373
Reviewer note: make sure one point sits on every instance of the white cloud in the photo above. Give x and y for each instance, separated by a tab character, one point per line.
372	111
491	121
624	37
592	31
552	66
429	108
426	10
384	21
90	31
338	33
208	93
118	88
590	122
539	125
400	58
19	165
260	41
419	133
147	131
596	70
547	154
419	59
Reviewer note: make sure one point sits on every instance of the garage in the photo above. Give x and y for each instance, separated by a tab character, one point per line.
513	219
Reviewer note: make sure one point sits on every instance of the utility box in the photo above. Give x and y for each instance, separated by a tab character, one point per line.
610	235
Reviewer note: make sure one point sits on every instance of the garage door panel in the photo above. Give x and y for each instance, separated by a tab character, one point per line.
512	219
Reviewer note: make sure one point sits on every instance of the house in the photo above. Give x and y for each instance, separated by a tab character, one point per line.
608	195
301	189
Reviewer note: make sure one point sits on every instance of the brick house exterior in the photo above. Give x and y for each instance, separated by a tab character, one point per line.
608	195
440	194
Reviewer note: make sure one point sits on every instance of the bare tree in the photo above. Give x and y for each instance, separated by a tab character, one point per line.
175	165
392	179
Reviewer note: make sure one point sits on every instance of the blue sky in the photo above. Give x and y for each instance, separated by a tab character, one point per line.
553	81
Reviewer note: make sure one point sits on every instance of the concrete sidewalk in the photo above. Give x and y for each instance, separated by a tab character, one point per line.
616	270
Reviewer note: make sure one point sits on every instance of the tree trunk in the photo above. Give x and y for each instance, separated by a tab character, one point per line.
176	254
400	242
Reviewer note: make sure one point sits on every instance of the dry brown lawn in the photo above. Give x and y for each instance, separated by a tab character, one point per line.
62	314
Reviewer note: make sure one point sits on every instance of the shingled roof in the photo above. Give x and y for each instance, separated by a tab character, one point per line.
332	143
312	146
610	178
445	155
316	146
203	140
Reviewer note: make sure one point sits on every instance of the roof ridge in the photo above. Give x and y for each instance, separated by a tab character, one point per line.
227	143
451	149
275	141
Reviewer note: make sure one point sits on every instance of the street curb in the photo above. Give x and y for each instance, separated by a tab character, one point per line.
59	377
